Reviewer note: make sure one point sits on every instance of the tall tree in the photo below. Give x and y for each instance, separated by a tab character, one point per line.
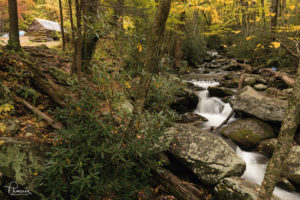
285	138
90	36
76	65
275	10
178	38
14	41
62	26
153	55
71	21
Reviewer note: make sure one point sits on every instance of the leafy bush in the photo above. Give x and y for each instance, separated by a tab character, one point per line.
99	154
162	92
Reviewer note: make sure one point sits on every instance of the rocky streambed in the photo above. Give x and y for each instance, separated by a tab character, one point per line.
233	159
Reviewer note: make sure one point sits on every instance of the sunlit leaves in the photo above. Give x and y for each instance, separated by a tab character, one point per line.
292	7
250	37
2	127
236	32
6	108
275	45
139	47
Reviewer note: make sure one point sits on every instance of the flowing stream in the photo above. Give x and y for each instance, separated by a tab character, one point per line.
216	112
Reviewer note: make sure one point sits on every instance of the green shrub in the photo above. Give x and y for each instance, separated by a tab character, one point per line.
98	155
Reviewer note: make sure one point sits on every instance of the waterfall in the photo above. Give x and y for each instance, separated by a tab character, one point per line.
212	108
216	112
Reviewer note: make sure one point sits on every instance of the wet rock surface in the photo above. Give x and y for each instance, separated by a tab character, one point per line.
219	92
207	155
19	161
247	132
235	188
255	104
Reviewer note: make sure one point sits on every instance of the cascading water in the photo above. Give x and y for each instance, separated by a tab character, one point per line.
216	112
255	171
212	108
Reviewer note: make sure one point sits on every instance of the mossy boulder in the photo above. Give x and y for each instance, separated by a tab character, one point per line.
249	81
20	160
247	132
219	92
206	154
235	188
185	102
267	147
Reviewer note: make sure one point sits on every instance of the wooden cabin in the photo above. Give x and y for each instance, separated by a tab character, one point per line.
41	30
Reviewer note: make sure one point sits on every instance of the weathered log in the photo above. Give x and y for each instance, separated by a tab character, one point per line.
180	189
245	66
36	111
43	82
289	81
241	81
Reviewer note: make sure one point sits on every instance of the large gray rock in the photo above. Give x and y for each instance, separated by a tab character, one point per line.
207	155
20	160
235	188
255	104
247	132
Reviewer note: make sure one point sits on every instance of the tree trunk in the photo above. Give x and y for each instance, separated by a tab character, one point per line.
62	26
285	140
263	15
76	65
90	37
178	40
274	9
153	55
71	21
14	41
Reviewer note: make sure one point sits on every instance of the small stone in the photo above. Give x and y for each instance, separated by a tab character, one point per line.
28	134
250	81
260	87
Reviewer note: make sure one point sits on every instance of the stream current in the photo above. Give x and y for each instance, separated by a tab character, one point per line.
216	111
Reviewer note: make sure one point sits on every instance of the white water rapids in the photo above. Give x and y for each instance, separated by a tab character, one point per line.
216	112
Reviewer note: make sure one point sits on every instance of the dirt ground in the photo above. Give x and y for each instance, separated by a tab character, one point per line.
25	42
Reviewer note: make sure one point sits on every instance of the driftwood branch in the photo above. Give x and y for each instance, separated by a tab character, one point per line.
289	81
36	111
247	67
173	185
241	81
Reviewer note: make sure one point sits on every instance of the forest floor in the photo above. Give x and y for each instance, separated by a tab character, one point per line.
24	40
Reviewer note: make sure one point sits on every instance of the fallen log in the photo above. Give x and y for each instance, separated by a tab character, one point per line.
289	81
48	86
180	189
245	66
36	111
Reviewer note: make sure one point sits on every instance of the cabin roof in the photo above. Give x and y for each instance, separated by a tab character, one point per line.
49	25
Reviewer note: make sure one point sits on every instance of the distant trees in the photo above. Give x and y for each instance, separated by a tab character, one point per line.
14	41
